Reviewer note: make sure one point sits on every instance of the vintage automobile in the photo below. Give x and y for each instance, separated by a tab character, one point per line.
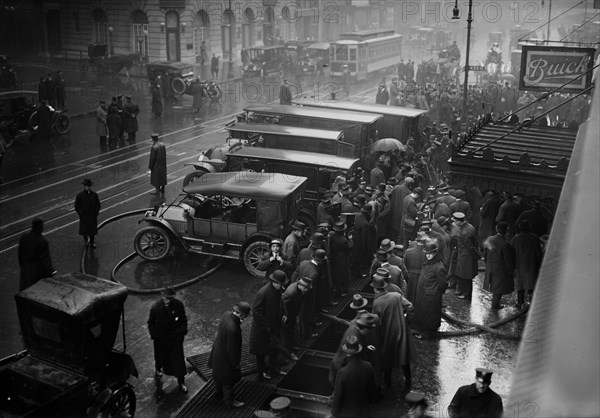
316	58
178	76
69	324
264	60
18	117
231	215
102	61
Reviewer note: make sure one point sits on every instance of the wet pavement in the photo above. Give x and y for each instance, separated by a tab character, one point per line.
42	179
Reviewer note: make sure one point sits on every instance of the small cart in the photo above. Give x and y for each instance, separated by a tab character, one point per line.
69	324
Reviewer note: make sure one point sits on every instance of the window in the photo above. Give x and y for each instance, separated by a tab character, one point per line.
352	54
140	33
101	33
200	34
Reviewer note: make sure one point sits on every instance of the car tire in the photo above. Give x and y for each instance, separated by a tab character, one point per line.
152	243
252	255
61	123
121	403
193	176
178	85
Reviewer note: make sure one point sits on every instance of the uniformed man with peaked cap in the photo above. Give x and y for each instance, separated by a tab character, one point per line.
476	399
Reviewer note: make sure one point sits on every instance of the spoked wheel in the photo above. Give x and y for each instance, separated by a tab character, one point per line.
121	404
192	177
62	123
152	243
252	256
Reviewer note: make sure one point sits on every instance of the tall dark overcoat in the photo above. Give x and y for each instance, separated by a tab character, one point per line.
226	353
266	320
158	164
499	265
130	112
167	327
528	257
157	105
463	263
489	212
509	212
340	250
34	259
113	124
428	300
355	389
397	345
399	192
87	206
364	239
413	259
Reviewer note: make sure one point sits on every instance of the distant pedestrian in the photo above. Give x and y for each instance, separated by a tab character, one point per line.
113	125
198	93
157	105
87	206
168	326
203	54
44	120
382	95
226	354
50	89
34	256
477	399
346	79
285	94
61	94
158	165
120	106
499	265
101	130
214	67
130	123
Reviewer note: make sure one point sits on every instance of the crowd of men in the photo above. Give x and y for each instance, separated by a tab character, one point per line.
51	90
116	120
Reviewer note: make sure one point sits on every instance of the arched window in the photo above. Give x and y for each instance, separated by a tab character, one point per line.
100	27
248	28
139	33
201	30
269	30
227	33
172	32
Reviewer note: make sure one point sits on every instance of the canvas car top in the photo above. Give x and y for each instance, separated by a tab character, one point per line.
269	128
292	156
406	112
245	184
304	111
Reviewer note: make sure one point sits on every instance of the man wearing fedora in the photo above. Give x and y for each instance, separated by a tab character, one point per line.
381	261
265	334
317	241
340	250
313	269
365	240
87	206
397	346
325	211
355	387
226	353
167	325
291	245
293	305
158	165
477	399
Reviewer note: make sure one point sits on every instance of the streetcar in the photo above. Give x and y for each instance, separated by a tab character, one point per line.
365	52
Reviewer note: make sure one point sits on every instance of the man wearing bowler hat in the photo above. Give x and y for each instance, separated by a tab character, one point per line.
317	241
365	240
167	325
158	165
87	206
340	249
265	333
476	399
226	353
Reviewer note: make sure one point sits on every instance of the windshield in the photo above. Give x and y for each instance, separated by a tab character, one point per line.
272	215
341	52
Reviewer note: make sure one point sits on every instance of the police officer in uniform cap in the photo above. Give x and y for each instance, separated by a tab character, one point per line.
476	399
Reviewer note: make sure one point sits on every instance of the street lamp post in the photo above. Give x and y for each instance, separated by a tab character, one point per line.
455	16
110	40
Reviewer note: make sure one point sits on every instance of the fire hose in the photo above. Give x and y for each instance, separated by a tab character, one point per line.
134	254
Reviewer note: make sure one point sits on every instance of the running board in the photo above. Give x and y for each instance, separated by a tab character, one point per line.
215	249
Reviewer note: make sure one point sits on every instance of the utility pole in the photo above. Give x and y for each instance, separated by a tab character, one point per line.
549	17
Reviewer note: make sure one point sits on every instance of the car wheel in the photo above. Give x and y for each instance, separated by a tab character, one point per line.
152	243
192	177
252	256
62	123
121	404
178	85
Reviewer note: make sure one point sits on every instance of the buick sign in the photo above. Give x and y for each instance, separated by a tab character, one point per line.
545	68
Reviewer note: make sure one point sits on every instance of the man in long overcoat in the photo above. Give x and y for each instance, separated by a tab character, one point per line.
414	258
355	387
167	325
340	250
158	165
87	206
399	192
364	238
489	211
409	217
113	125
499	265
528	258
463	261
130	123
44	119
226	353
509	212
34	256
397	345
285	94
265	333
430	288
293	302
61	94
157	105
101	122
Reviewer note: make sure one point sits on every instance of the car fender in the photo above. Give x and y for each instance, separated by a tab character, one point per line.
155	221
200	166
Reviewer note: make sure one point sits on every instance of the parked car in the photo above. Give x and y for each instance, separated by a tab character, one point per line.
18	117
177	75
316	58
69	324
264	60
232	215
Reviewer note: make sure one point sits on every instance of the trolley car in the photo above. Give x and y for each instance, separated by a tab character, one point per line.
365	52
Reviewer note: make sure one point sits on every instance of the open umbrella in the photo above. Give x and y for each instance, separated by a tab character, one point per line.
387	145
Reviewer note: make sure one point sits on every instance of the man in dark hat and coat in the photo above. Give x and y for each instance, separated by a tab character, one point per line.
265	333
414	258
528	258
34	256
293	303
477	399
499	265
489	211
87	206
226	353
291	245
465	253
340	250
129	122
397	345
399	192
317	241
158	165
509	212
167	325
355	387
430	288
365	240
